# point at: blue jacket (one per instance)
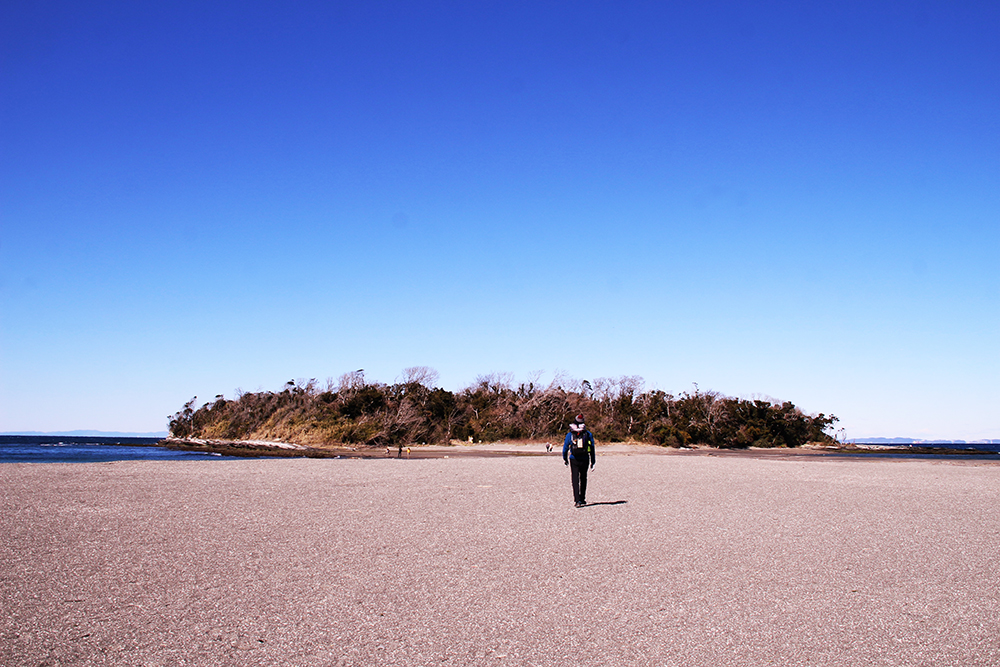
(589, 451)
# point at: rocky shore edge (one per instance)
(271, 448)
(259, 448)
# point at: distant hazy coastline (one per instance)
(91, 434)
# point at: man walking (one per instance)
(579, 454)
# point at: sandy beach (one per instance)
(680, 560)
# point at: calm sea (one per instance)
(68, 449)
(974, 448)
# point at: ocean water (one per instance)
(59, 449)
(971, 447)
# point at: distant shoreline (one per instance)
(462, 449)
(87, 434)
(505, 449)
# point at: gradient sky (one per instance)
(792, 199)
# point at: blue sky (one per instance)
(797, 200)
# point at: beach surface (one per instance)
(680, 560)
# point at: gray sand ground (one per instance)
(687, 561)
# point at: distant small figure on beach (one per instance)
(579, 454)
(548, 446)
(387, 451)
(407, 452)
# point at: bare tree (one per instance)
(423, 375)
(352, 381)
(306, 386)
(495, 382)
(561, 381)
(631, 384)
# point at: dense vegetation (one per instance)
(353, 411)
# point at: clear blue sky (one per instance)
(799, 200)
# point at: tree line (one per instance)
(353, 411)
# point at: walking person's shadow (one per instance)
(607, 502)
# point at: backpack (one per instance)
(580, 441)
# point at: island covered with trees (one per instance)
(413, 410)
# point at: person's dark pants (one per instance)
(579, 472)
